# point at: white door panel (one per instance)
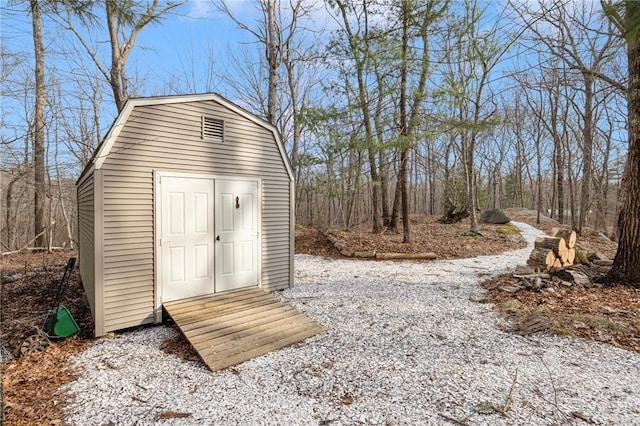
(236, 223)
(186, 237)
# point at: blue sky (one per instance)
(193, 30)
(179, 54)
(180, 47)
(191, 34)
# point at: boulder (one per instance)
(496, 216)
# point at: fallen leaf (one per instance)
(347, 399)
(485, 408)
(173, 415)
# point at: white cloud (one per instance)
(201, 9)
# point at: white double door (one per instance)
(208, 236)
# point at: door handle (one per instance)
(218, 238)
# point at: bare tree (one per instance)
(124, 20)
(286, 63)
(39, 172)
(584, 43)
(476, 53)
(357, 40)
(419, 18)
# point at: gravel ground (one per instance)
(407, 343)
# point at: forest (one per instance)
(387, 108)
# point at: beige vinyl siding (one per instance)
(86, 221)
(168, 138)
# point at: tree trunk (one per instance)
(470, 183)
(39, 123)
(272, 62)
(117, 79)
(626, 265)
(559, 165)
(587, 152)
(360, 52)
(395, 209)
(297, 125)
(404, 127)
(406, 231)
(9, 217)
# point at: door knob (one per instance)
(218, 238)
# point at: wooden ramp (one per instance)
(235, 326)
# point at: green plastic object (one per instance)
(60, 323)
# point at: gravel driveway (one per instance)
(407, 343)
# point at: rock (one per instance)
(596, 256)
(496, 216)
(11, 278)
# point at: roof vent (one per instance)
(212, 129)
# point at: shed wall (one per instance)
(86, 238)
(167, 138)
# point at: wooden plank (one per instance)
(241, 336)
(210, 303)
(200, 335)
(220, 363)
(212, 312)
(232, 327)
(189, 304)
(252, 337)
(213, 324)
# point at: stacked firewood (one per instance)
(555, 251)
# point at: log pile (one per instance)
(557, 262)
(554, 252)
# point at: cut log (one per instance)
(543, 258)
(580, 275)
(603, 262)
(580, 257)
(533, 275)
(596, 255)
(568, 235)
(333, 241)
(364, 254)
(454, 215)
(346, 252)
(599, 269)
(389, 256)
(558, 263)
(571, 255)
(556, 244)
(554, 232)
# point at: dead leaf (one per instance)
(347, 399)
(485, 407)
(173, 415)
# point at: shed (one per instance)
(186, 196)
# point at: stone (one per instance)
(496, 216)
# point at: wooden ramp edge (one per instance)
(232, 327)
